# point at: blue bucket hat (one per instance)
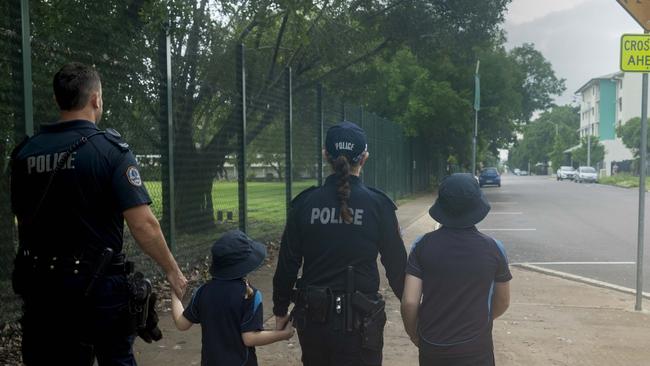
(235, 255)
(346, 138)
(460, 202)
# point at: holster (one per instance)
(373, 320)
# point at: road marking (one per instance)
(585, 280)
(506, 213)
(503, 203)
(570, 263)
(528, 229)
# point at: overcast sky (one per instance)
(579, 37)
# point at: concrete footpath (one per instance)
(551, 321)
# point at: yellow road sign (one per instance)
(639, 10)
(635, 52)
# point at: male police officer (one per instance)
(336, 232)
(72, 187)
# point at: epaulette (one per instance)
(302, 195)
(116, 139)
(381, 193)
(19, 147)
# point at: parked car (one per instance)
(523, 172)
(586, 174)
(565, 172)
(489, 176)
(517, 171)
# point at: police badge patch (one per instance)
(133, 175)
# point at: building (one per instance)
(606, 103)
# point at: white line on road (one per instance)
(528, 229)
(506, 213)
(572, 263)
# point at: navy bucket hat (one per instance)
(346, 138)
(460, 202)
(235, 255)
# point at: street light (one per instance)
(477, 106)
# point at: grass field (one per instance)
(266, 200)
(623, 180)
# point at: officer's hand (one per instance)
(281, 322)
(178, 282)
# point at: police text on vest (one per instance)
(327, 215)
(47, 162)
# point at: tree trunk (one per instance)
(194, 180)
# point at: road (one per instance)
(588, 230)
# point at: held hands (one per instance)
(178, 283)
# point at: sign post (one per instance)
(635, 57)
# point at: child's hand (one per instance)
(288, 330)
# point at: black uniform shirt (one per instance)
(219, 306)
(84, 204)
(317, 237)
(458, 268)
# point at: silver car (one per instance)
(586, 174)
(565, 172)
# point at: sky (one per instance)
(581, 38)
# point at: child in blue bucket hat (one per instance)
(228, 308)
(457, 281)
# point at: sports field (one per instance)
(266, 200)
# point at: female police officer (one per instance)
(336, 232)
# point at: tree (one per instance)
(597, 152)
(567, 121)
(539, 82)
(630, 133)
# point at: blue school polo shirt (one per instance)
(219, 306)
(458, 269)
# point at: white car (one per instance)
(565, 172)
(586, 174)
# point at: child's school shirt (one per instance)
(458, 269)
(219, 306)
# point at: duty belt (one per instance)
(45, 264)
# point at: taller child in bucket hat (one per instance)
(227, 307)
(457, 281)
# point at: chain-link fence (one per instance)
(223, 139)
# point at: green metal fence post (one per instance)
(320, 122)
(27, 67)
(241, 159)
(171, 203)
(361, 124)
(288, 141)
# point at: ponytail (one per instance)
(341, 167)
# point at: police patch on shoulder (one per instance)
(133, 175)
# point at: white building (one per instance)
(608, 102)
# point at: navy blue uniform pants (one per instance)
(327, 344)
(61, 326)
(481, 359)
